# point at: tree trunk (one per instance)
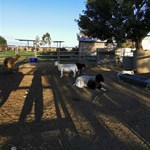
(141, 58)
(138, 44)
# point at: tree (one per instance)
(37, 42)
(46, 39)
(3, 41)
(116, 19)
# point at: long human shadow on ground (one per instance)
(34, 130)
(23, 128)
(34, 97)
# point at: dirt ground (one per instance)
(40, 111)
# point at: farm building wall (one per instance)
(142, 61)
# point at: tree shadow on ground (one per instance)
(129, 104)
(9, 83)
(103, 137)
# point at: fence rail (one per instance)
(59, 55)
(52, 55)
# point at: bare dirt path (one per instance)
(39, 111)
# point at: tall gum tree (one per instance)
(116, 19)
(46, 38)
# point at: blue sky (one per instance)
(26, 19)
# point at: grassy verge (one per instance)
(24, 55)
